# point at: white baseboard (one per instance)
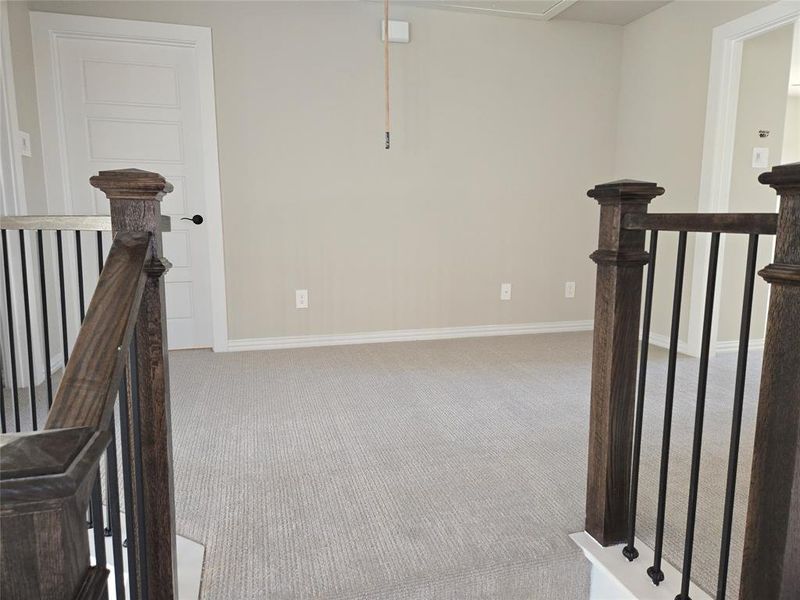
(662, 341)
(404, 335)
(733, 346)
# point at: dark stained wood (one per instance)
(40, 453)
(44, 548)
(761, 223)
(771, 563)
(94, 585)
(620, 260)
(135, 198)
(88, 390)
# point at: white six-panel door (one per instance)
(125, 102)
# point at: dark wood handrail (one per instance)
(760, 223)
(88, 390)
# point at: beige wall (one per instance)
(663, 93)
(500, 127)
(762, 105)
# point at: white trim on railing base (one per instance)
(733, 345)
(616, 578)
(405, 335)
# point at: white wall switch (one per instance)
(505, 291)
(301, 298)
(24, 143)
(760, 158)
(398, 31)
(569, 289)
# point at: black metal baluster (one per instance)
(699, 414)
(99, 252)
(26, 301)
(114, 528)
(97, 530)
(127, 489)
(655, 572)
(63, 295)
(79, 256)
(2, 400)
(45, 321)
(736, 422)
(629, 551)
(137, 459)
(82, 310)
(11, 345)
(109, 515)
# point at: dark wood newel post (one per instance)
(620, 259)
(135, 198)
(771, 563)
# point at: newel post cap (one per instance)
(782, 178)
(131, 184)
(625, 191)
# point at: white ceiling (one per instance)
(613, 12)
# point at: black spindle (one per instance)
(26, 301)
(63, 296)
(2, 399)
(655, 572)
(45, 320)
(137, 459)
(699, 414)
(79, 257)
(114, 529)
(736, 422)
(11, 344)
(99, 252)
(629, 551)
(127, 488)
(97, 519)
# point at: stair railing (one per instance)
(50, 479)
(771, 563)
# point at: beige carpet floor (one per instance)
(445, 469)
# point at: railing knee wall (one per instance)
(620, 259)
(771, 563)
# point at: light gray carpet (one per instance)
(446, 469)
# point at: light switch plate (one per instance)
(760, 158)
(24, 143)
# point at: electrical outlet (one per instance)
(505, 291)
(301, 298)
(569, 289)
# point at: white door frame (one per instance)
(56, 26)
(723, 99)
(12, 202)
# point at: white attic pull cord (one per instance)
(386, 65)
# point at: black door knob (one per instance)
(197, 219)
